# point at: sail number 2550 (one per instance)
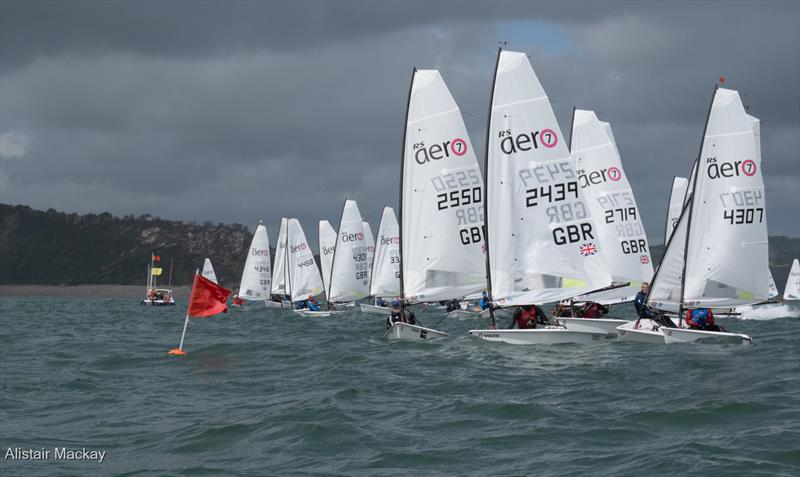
(458, 198)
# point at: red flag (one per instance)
(156, 258)
(207, 298)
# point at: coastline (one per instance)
(85, 291)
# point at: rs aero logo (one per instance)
(352, 237)
(717, 170)
(389, 240)
(587, 179)
(422, 154)
(511, 143)
(328, 250)
(298, 248)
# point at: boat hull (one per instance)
(404, 331)
(596, 325)
(543, 336)
(643, 334)
(375, 309)
(321, 313)
(678, 335)
(461, 314)
(158, 303)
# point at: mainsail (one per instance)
(721, 237)
(350, 267)
(543, 244)
(385, 277)
(303, 275)
(208, 270)
(773, 288)
(279, 270)
(792, 290)
(256, 280)
(676, 202)
(610, 198)
(370, 244)
(441, 198)
(327, 245)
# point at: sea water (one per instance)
(267, 392)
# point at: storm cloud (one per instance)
(247, 111)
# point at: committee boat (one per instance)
(155, 296)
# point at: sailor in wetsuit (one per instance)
(527, 317)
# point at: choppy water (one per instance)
(264, 392)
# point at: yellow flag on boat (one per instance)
(156, 271)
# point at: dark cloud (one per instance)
(239, 111)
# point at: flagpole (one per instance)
(179, 350)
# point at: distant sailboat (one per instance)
(303, 278)
(208, 271)
(155, 296)
(676, 201)
(441, 204)
(279, 270)
(792, 290)
(385, 274)
(327, 245)
(370, 244)
(543, 245)
(256, 282)
(717, 256)
(349, 275)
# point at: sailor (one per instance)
(641, 309)
(701, 319)
(380, 302)
(452, 305)
(312, 303)
(527, 317)
(593, 310)
(484, 303)
(395, 314)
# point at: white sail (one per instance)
(385, 277)
(208, 271)
(327, 244)
(676, 202)
(350, 268)
(726, 259)
(773, 288)
(256, 281)
(279, 270)
(370, 244)
(610, 198)
(442, 198)
(792, 290)
(665, 290)
(304, 278)
(543, 244)
(690, 186)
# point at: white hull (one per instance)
(544, 336)
(321, 313)
(404, 331)
(375, 309)
(594, 325)
(645, 333)
(158, 302)
(676, 335)
(273, 304)
(461, 314)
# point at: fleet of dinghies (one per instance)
(554, 222)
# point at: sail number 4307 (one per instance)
(743, 216)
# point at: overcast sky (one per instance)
(240, 111)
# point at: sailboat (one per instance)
(279, 270)
(717, 256)
(303, 278)
(619, 224)
(256, 282)
(677, 198)
(385, 274)
(327, 245)
(441, 204)
(792, 290)
(157, 296)
(349, 274)
(208, 271)
(543, 245)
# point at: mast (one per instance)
(402, 180)
(486, 194)
(170, 271)
(286, 276)
(691, 207)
